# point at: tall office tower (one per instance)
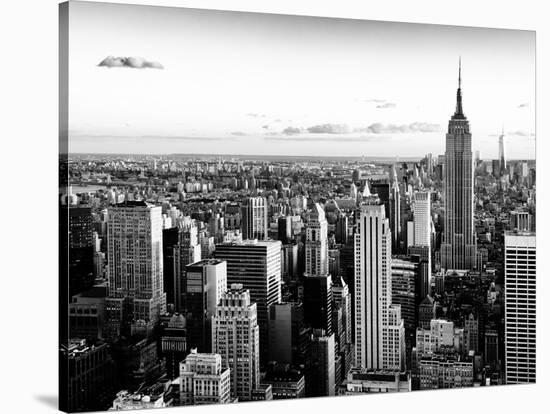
(187, 250)
(341, 297)
(235, 336)
(254, 218)
(404, 293)
(322, 375)
(501, 154)
(318, 302)
(169, 241)
(422, 255)
(204, 380)
(383, 190)
(341, 230)
(289, 338)
(79, 247)
(257, 266)
(471, 333)
(136, 295)
(520, 220)
(316, 242)
(289, 262)
(342, 325)
(317, 281)
(206, 282)
(353, 191)
(284, 229)
(458, 249)
(422, 219)
(379, 329)
(430, 164)
(395, 215)
(519, 307)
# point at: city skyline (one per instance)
(372, 84)
(218, 279)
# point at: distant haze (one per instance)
(195, 81)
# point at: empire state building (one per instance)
(458, 249)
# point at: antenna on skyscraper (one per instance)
(459, 70)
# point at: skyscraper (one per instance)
(422, 219)
(235, 336)
(322, 379)
(254, 218)
(187, 250)
(520, 306)
(458, 249)
(395, 213)
(379, 329)
(316, 242)
(501, 153)
(206, 282)
(288, 336)
(257, 266)
(136, 297)
(317, 282)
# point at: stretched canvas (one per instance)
(261, 206)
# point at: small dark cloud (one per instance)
(386, 105)
(278, 120)
(134, 62)
(256, 115)
(521, 133)
(329, 129)
(292, 131)
(518, 133)
(524, 105)
(415, 127)
(265, 126)
(239, 134)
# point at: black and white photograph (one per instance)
(264, 207)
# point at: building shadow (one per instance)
(50, 401)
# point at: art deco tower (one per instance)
(458, 250)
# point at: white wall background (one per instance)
(28, 119)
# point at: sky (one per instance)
(203, 81)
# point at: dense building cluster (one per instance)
(217, 279)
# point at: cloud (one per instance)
(379, 101)
(239, 134)
(292, 131)
(134, 62)
(415, 127)
(278, 120)
(265, 126)
(520, 133)
(386, 105)
(256, 115)
(524, 105)
(334, 138)
(329, 129)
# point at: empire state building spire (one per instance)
(458, 112)
(458, 246)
